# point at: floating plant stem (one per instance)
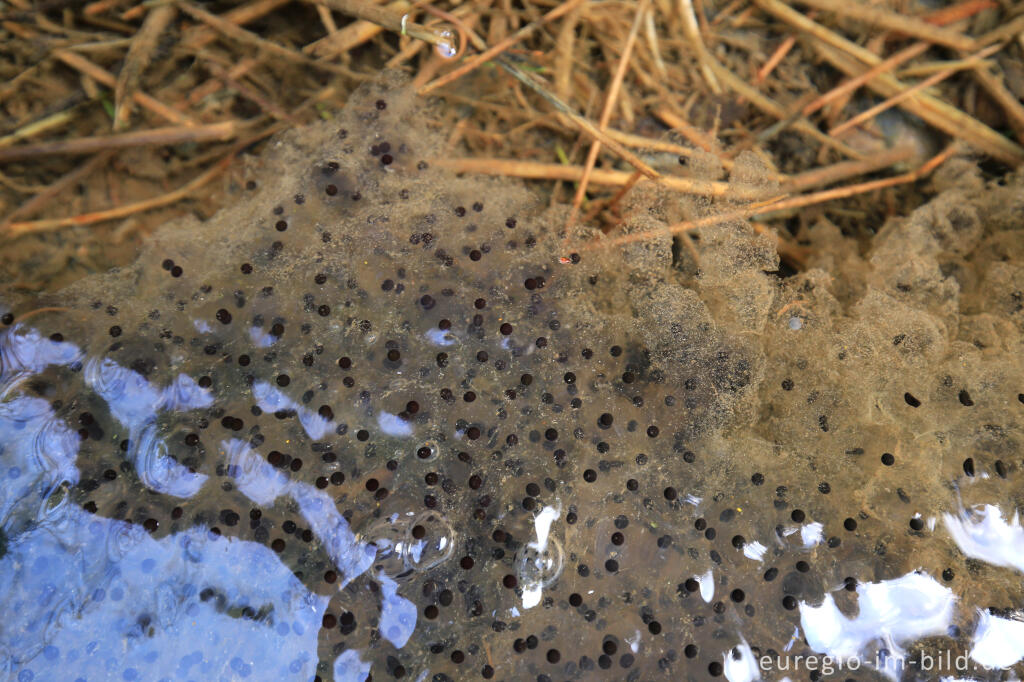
(445, 39)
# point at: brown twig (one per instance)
(819, 177)
(769, 106)
(215, 132)
(201, 36)
(852, 84)
(936, 112)
(43, 198)
(911, 91)
(352, 36)
(784, 203)
(235, 32)
(598, 176)
(80, 63)
(880, 17)
(49, 225)
(139, 54)
(780, 53)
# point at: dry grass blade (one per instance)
(214, 132)
(57, 120)
(1011, 105)
(40, 200)
(135, 62)
(396, 22)
(581, 122)
(911, 91)
(606, 113)
(98, 73)
(683, 127)
(29, 227)
(819, 177)
(201, 36)
(964, 10)
(780, 53)
(936, 112)
(852, 84)
(784, 203)
(900, 23)
(692, 32)
(352, 36)
(235, 32)
(599, 176)
(769, 106)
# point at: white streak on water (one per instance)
(439, 337)
(981, 533)
(393, 425)
(542, 526)
(998, 642)
(754, 550)
(811, 534)
(901, 610)
(742, 669)
(707, 586)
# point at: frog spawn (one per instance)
(399, 386)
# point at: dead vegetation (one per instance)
(117, 116)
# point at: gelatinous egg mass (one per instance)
(378, 420)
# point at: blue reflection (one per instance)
(90, 598)
(106, 599)
(134, 402)
(272, 400)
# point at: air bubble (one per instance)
(539, 569)
(427, 451)
(430, 541)
(447, 45)
(388, 535)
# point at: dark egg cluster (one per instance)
(570, 462)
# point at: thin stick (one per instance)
(34, 128)
(581, 122)
(879, 17)
(852, 84)
(936, 112)
(692, 32)
(911, 91)
(390, 20)
(785, 204)
(252, 95)
(683, 127)
(201, 36)
(349, 37)
(768, 105)
(43, 198)
(1012, 106)
(135, 62)
(598, 176)
(216, 132)
(18, 229)
(640, 142)
(614, 200)
(80, 63)
(606, 113)
(780, 53)
(964, 10)
(242, 35)
(820, 177)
